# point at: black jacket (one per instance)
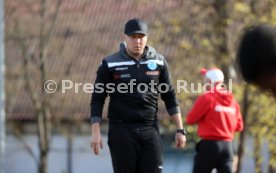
(131, 105)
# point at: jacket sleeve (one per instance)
(239, 126)
(169, 96)
(99, 95)
(199, 110)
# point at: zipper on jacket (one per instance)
(138, 70)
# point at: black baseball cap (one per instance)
(136, 26)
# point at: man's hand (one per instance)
(180, 140)
(96, 138)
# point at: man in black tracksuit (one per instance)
(133, 78)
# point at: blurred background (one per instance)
(67, 39)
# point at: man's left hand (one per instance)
(180, 140)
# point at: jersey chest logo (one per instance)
(152, 65)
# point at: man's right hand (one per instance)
(96, 138)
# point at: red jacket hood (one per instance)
(223, 96)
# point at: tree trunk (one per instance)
(241, 145)
(257, 154)
(272, 156)
(43, 165)
(43, 135)
(69, 148)
(220, 41)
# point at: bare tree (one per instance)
(34, 56)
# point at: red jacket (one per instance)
(217, 115)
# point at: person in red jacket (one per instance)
(218, 117)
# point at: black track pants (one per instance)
(134, 148)
(213, 154)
